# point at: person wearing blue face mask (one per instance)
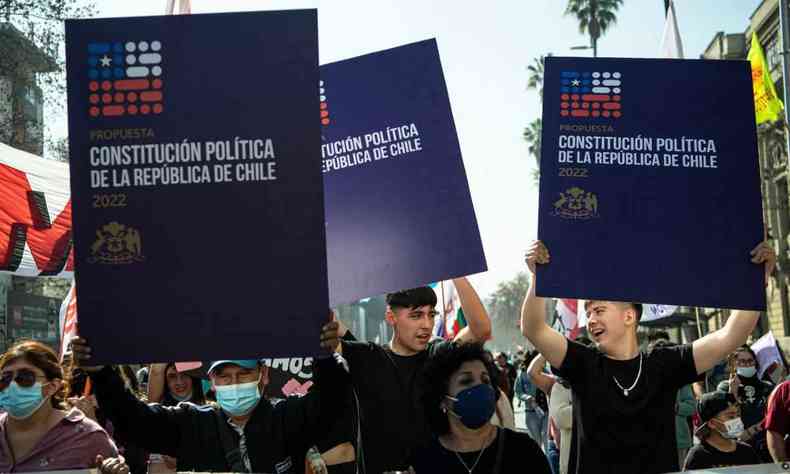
(242, 433)
(752, 395)
(459, 398)
(37, 433)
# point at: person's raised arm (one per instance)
(151, 427)
(477, 319)
(549, 342)
(156, 382)
(311, 416)
(712, 348)
(541, 379)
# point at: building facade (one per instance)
(28, 306)
(772, 147)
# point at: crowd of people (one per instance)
(599, 403)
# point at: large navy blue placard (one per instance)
(398, 208)
(650, 186)
(198, 195)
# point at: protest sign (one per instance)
(196, 185)
(35, 215)
(398, 209)
(767, 351)
(650, 186)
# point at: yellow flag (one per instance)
(767, 105)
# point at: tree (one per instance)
(594, 16)
(32, 33)
(504, 306)
(535, 79)
(532, 135)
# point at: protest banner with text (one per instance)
(196, 185)
(398, 209)
(649, 188)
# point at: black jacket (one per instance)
(277, 436)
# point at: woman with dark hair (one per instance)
(37, 433)
(752, 395)
(459, 396)
(169, 387)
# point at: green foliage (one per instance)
(532, 135)
(535, 79)
(41, 24)
(504, 307)
(594, 16)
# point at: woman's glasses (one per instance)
(25, 378)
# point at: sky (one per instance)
(485, 48)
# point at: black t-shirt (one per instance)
(753, 394)
(392, 419)
(705, 456)
(520, 454)
(626, 434)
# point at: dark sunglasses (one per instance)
(25, 378)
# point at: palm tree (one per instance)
(595, 17)
(535, 80)
(532, 135)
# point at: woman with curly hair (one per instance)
(459, 396)
(37, 433)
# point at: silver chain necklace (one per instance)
(479, 456)
(470, 469)
(628, 390)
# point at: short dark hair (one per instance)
(413, 298)
(436, 379)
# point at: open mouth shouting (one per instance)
(597, 333)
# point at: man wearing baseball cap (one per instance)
(720, 426)
(245, 434)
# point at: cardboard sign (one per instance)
(196, 185)
(650, 188)
(398, 209)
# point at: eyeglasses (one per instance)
(23, 377)
(744, 362)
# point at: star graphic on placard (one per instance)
(575, 83)
(105, 61)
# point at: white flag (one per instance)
(671, 45)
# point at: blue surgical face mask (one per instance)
(747, 372)
(474, 406)
(238, 399)
(21, 402)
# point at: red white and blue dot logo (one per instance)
(590, 94)
(324, 106)
(125, 78)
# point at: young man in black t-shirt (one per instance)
(624, 399)
(720, 426)
(385, 377)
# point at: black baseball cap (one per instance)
(711, 404)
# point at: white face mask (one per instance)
(733, 428)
